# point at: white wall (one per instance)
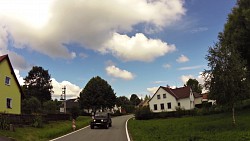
(186, 103)
(169, 99)
(198, 100)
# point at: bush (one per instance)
(38, 121)
(143, 113)
(75, 112)
(4, 122)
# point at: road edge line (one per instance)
(126, 127)
(69, 133)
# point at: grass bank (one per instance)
(49, 131)
(198, 128)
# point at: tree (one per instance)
(31, 105)
(122, 101)
(38, 84)
(194, 84)
(237, 30)
(50, 106)
(226, 80)
(97, 94)
(135, 100)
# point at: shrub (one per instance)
(4, 122)
(143, 113)
(75, 112)
(38, 121)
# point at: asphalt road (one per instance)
(115, 133)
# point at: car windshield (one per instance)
(103, 115)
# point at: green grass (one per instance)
(198, 128)
(49, 131)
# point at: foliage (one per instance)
(48, 132)
(4, 122)
(38, 84)
(75, 112)
(227, 79)
(37, 121)
(143, 113)
(31, 105)
(203, 128)
(194, 84)
(97, 94)
(122, 101)
(237, 30)
(50, 106)
(134, 100)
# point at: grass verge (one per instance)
(198, 128)
(49, 131)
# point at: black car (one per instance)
(101, 119)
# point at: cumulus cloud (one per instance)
(152, 90)
(182, 59)
(138, 47)
(47, 26)
(72, 90)
(118, 73)
(185, 78)
(19, 77)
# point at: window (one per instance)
(169, 105)
(164, 96)
(162, 106)
(9, 103)
(7, 80)
(158, 96)
(179, 104)
(155, 107)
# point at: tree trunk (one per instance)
(234, 123)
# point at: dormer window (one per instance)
(7, 80)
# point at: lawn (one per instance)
(49, 131)
(198, 128)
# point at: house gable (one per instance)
(10, 94)
(167, 99)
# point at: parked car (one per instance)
(101, 119)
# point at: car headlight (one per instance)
(94, 120)
(102, 120)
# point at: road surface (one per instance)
(115, 133)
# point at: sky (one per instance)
(136, 46)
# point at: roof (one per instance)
(197, 95)
(12, 71)
(178, 93)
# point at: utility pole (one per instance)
(63, 97)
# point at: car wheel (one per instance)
(107, 126)
(110, 124)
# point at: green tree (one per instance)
(31, 105)
(194, 84)
(97, 94)
(50, 106)
(135, 100)
(226, 80)
(122, 101)
(38, 84)
(237, 30)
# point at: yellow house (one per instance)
(10, 89)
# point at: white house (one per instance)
(167, 99)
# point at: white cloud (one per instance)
(190, 68)
(118, 73)
(152, 90)
(138, 47)
(182, 59)
(166, 66)
(199, 29)
(72, 90)
(185, 78)
(46, 26)
(19, 78)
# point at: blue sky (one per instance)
(136, 46)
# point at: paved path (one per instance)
(115, 133)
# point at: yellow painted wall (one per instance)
(9, 91)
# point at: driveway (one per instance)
(115, 133)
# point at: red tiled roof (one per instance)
(3, 57)
(178, 93)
